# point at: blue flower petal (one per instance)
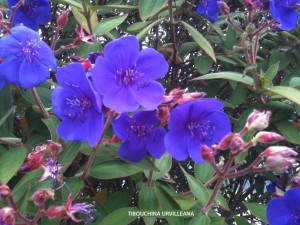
(9, 46)
(73, 130)
(149, 96)
(24, 34)
(121, 100)
(32, 74)
(152, 64)
(43, 14)
(95, 121)
(104, 76)
(123, 52)
(292, 199)
(279, 213)
(121, 126)
(179, 117)
(176, 144)
(209, 9)
(221, 124)
(133, 150)
(147, 118)
(155, 142)
(46, 56)
(10, 69)
(194, 148)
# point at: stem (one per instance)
(233, 25)
(55, 38)
(17, 213)
(93, 154)
(39, 103)
(216, 168)
(15, 144)
(14, 9)
(150, 174)
(87, 16)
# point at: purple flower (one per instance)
(209, 9)
(78, 105)
(285, 12)
(139, 135)
(26, 59)
(31, 13)
(126, 76)
(194, 124)
(286, 210)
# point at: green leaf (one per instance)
(270, 74)
(258, 210)
(80, 18)
(228, 76)
(10, 162)
(118, 200)
(136, 27)
(200, 39)
(148, 8)
(287, 92)
(113, 169)
(85, 48)
(197, 188)
(119, 217)
(200, 219)
(295, 82)
(148, 201)
(107, 25)
(289, 132)
(69, 154)
(52, 123)
(6, 105)
(241, 220)
(187, 47)
(146, 29)
(203, 172)
(145, 164)
(163, 165)
(75, 3)
(75, 184)
(217, 221)
(203, 64)
(112, 7)
(44, 94)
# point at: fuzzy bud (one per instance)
(191, 96)
(163, 114)
(207, 153)
(4, 191)
(282, 151)
(236, 145)
(258, 120)
(42, 195)
(225, 142)
(7, 216)
(56, 212)
(295, 182)
(224, 8)
(53, 147)
(278, 164)
(267, 137)
(63, 19)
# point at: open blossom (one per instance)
(26, 59)
(209, 9)
(139, 135)
(126, 77)
(285, 211)
(78, 105)
(285, 12)
(194, 124)
(31, 13)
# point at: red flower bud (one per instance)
(207, 153)
(224, 8)
(56, 212)
(163, 114)
(268, 137)
(190, 96)
(7, 216)
(4, 191)
(225, 142)
(236, 145)
(42, 195)
(63, 19)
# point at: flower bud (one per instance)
(177, 93)
(56, 212)
(42, 195)
(190, 96)
(1, 15)
(295, 182)
(34, 161)
(282, 151)
(7, 216)
(53, 147)
(236, 145)
(63, 19)
(207, 153)
(224, 8)
(163, 114)
(267, 137)
(77, 41)
(278, 164)
(258, 120)
(225, 142)
(4, 191)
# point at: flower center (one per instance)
(29, 8)
(295, 218)
(77, 107)
(139, 130)
(130, 77)
(29, 49)
(201, 130)
(204, 3)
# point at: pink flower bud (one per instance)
(258, 120)
(56, 212)
(295, 182)
(177, 93)
(7, 216)
(224, 8)
(1, 16)
(282, 151)
(268, 137)
(278, 164)
(53, 147)
(63, 19)
(225, 142)
(4, 191)
(236, 145)
(42, 195)
(207, 153)
(190, 96)
(163, 113)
